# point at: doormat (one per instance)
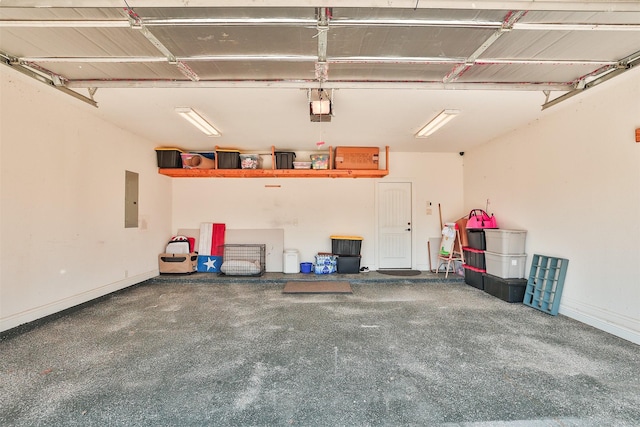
(400, 272)
(321, 287)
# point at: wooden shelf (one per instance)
(278, 173)
(272, 173)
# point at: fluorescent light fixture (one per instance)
(437, 122)
(198, 121)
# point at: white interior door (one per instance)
(394, 225)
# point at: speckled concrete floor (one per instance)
(187, 352)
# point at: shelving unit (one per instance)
(545, 283)
(280, 173)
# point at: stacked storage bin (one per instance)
(505, 262)
(474, 267)
(347, 249)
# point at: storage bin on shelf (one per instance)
(357, 157)
(319, 161)
(208, 154)
(503, 241)
(302, 165)
(284, 159)
(169, 157)
(228, 158)
(249, 161)
(197, 161)
(346, 245)
(509, 290)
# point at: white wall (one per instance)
(62, 174)
(312, 209)
(572, 180)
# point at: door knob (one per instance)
(408, 229)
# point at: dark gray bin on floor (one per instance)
(509, 290)
(348, 264)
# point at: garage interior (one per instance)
(545, 136)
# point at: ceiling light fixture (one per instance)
(198, 121)
(320, 102)
(437, 122)
(320, 105)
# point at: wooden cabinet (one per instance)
(280, 173)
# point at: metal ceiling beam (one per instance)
(231, 22)
(323, 29)
(136, 23)
(293, 22)
(501, 61)
(321, 66)
(568, 5)
(400, 60)
(307, 84)
(393, 60)
(74, 23)
(94, 59)
(48, 79)
(532, 26)
(590, 81)
(510, 18)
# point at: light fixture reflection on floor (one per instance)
(437, 122)
(198, 121)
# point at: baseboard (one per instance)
(614, 324)
(72, 301)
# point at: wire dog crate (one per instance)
(243, 260)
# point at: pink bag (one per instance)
(480, 219)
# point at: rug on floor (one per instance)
(400, 272)
(321, 287)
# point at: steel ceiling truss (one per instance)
(47, 77)
(136, 22)
(323, 22)
(598, 77)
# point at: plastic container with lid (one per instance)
(228, 158)
(249, 161)
(291, 261)
(346, 245)
(169, 157)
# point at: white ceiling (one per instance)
(393, 65)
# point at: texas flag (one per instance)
(210, 247)
(209, 263)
